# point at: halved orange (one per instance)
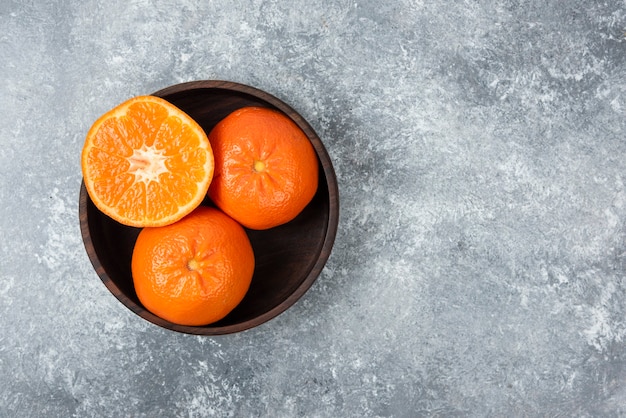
(147, 163)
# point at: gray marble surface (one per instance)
(479, 267)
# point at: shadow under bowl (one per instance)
(289, 258)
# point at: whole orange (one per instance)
(194, 271)
(266, 170)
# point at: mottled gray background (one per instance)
(479, 267)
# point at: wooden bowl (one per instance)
(289, 258)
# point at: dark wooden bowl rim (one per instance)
(327, 174)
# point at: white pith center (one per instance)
(147, 163)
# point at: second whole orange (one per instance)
(194, 271)
(266, 169)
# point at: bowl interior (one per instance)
(288, 258)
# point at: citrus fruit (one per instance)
(266, 170)
(194, 271)
(146, 163)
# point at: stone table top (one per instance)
(479, 266)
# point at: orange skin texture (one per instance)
(266, 169)
(195, 271)
(146, 163)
